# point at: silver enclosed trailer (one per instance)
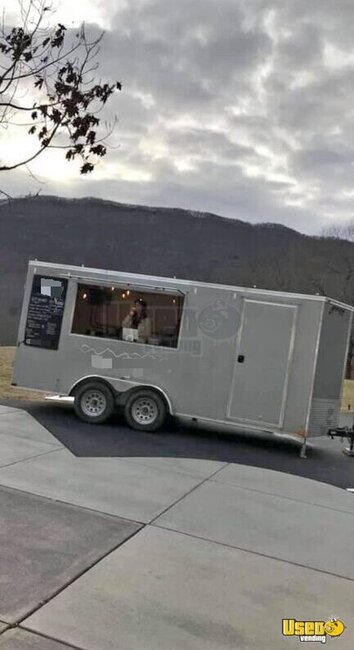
(245, 358)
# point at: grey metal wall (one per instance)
(263, 362)
(329, 372)
(198, 376)
(303, 365)
(332, 352)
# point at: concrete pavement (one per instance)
(163, 553)
(45, 544)
(19, 639)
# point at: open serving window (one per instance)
(130, 314)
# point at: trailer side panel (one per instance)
(329, 376)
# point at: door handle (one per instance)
(240, 358)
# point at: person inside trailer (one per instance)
(138, 320)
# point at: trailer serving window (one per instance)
(45, 312)
(104, 311)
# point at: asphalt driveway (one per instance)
(325, 461)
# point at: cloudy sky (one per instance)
(244, 108)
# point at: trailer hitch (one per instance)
(344, 432)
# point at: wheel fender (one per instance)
(89, 380)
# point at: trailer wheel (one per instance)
(94, 402)
(145, 410)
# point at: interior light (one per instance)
(123, 295)
(128, 293)
(84, 296)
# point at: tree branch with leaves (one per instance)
(54, 72)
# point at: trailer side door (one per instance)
(262, 365)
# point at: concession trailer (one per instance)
(221, 355)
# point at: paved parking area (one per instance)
(118, 487)
(19, 639)
(147, 553)
(164, 589)
(45, 545)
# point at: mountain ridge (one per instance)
(148, 208)
(164, 242)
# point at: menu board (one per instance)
(45, 312)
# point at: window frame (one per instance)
(138, 288)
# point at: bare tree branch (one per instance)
(67, 100)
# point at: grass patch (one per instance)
(348, 395)
(7, 391)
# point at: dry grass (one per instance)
(348, 395)
(7, 391)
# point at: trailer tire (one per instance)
(145, 410)
(93, 402)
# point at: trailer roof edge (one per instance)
(70, 268)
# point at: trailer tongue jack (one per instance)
(344, 432)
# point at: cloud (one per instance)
(239, 107)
